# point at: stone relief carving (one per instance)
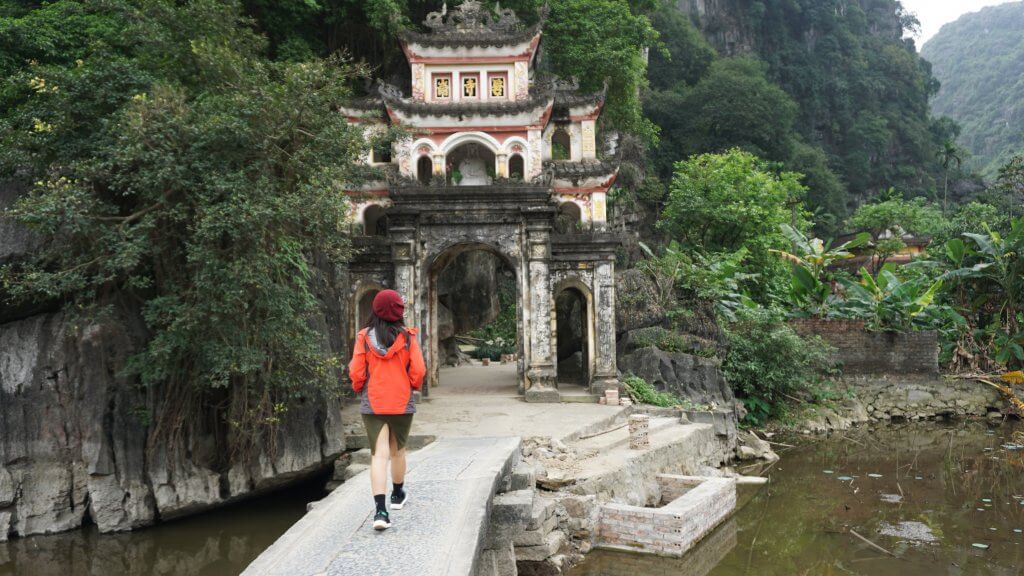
(522, 87)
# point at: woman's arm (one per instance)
(357, 366)
(417, 367)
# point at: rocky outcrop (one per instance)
(638, 304)
(686, 376)
(74, 436)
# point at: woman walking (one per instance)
(387, 365)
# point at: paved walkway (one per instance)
(440, 532)
(481, 401)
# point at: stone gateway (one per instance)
(511, 170)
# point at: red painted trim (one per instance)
(541, 123)
(589, 190)
(374, 193)
(603, 187)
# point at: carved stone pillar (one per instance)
(606, 374)
(540, 369)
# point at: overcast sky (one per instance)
(934, 13)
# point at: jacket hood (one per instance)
(398, 345)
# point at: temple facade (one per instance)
(491, 158)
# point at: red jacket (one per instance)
(392, 376)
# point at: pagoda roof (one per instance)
(471, 24)
(564, 170)
(394, 100)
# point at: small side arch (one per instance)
(569, 218)
(573, 307)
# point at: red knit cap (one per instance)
(388, 305)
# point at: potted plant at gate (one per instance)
(456, 177)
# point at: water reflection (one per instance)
(218, 543)
(961, 484)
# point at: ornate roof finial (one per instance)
(471, 16)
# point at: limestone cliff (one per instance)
(74, 433)
(74, 436)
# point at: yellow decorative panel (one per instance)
(600, 213)
(469, 87)
(498, 87)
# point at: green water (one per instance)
(218, 543)
(943, 489)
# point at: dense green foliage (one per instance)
(179, 173)
(724, 203)
(768, 364)
(979, 60)
(841, 96)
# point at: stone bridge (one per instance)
(443, 530)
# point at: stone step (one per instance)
(580, 397)
(620, 437)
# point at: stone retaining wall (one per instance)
(701, 505)
(863, 352)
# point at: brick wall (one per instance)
(862, 352)
(673, 529)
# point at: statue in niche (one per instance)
(473, 168)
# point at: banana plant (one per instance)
(810, 286)
(888, 302)
(992, 266)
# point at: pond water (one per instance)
(218, 543)
(938, 499)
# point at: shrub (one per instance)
(643, 393)
(769, 363)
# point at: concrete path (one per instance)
(478, 400)
(440, 532)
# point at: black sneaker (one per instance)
(381, 520)
(399, 500)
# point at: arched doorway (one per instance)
(573, 335)
(470, 164)
(517, 167)
(375, 221)
(363, 306)
(424, 169)
(474, 314)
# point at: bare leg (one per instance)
(397, 463)
(379, 462)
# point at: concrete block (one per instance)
(543, 508)
(540, 394)
(510, 513)
(538, 536)
(524, 477)
(550, 547)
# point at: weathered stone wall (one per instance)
(863, 352)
